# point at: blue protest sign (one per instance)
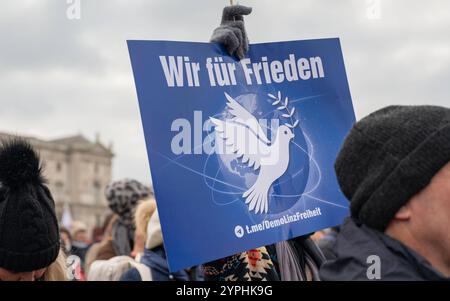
(242, 152)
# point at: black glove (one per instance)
(231, 32)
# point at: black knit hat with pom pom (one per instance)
(29, 234)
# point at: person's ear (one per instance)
(404, 213)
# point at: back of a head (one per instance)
(144, 211)
(389, 156)
(123, 197)
(29, 234)
(77, 227)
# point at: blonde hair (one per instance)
(144, 211)
(57, 271)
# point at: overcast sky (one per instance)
(63, 77)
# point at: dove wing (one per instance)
(241, 115)
(241, 141)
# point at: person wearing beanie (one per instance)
(123, 197)
(29, 234)
(394, 168)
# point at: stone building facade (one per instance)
(77, 171)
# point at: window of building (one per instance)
(97, 185)
(97, 191)
(59, 187)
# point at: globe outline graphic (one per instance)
(226, 175)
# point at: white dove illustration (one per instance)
(244, 137)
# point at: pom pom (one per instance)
(19, 163)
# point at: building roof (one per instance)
(66, 144)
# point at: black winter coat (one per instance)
(356, 242)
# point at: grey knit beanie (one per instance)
(390, 156)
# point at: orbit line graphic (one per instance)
(211, 180)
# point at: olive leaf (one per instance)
(289, 113)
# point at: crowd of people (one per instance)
(394, 168)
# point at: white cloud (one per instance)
(61, 77)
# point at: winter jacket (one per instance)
(253, 265)
(356, 242)
(296, 259)
(80, 249)
(155, 259)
